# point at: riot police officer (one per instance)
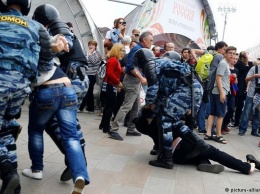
(23, 44)
(169, 98)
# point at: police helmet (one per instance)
(45, 14)
(171, 55)
(143, 56)
(24, 4)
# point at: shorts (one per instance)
(217, 108)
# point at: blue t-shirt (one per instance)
(129, 65)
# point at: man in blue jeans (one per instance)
(252, 77)
(203, 113)
(71, 63)
(56, 97)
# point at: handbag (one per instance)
(101, 72)
(142, 96)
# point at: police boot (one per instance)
(10, 178)
(198, 145)
(17, 190)
(164, 159)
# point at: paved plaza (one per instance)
(121, 167)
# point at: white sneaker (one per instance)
(78, 186)
(37, 174)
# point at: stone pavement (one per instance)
(121, 167)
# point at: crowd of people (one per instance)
(58, 89)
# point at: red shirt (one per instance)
(113, 71)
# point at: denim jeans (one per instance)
(202, 114)
(62, 103)
(204, 109)
(248, 108)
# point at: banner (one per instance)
(185, 17)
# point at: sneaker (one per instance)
(255, 134)
(134, 133)
(211, 168)
(202, 132)
(115, 136)
(241, 133)
(80, 111)
(223, 132)
(66, 175)
(35, 174)
(230, 125)
(90, 112)
(10, 182)
(78, 186)
(235, 127)
(226, 129)
(250, 124)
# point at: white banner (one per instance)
(185, 17)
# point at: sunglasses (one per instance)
(124, 23)
(137, 35)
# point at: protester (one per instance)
(132, 83)
(73, 63)
(169, 98)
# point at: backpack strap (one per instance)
(256, 72)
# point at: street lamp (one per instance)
(226, 9)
